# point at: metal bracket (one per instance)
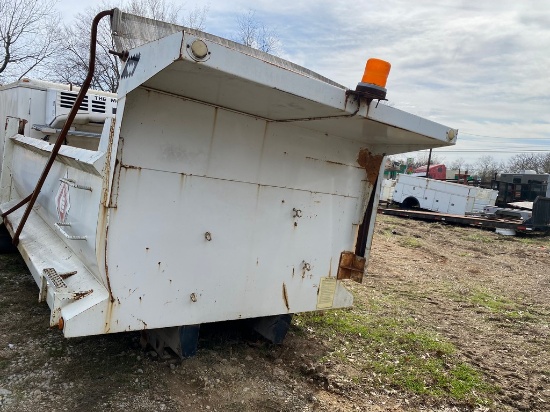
(182, 340)
(47, 130)
(50, 277)
(351, 267)
(61, 293)
(73, 183)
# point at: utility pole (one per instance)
(428, 168)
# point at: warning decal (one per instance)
(62, 201)
(325, 295)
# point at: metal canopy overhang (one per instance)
(388, 129)
(241, 82)
(244, 95)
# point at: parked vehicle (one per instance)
(230, 184)
(440, 196)
(505, 221)
(523, 186)
(437, 171)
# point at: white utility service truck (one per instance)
(441, 196)
(230, 184)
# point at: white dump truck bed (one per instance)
(231, 186)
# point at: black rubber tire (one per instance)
(410, 203)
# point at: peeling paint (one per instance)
(111, 298)
(130, 167)
(80, 295)
(332, 162)
(107, 166)
(21, 128)
(285, 297)
(371, 163)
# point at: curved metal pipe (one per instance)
(83, 90)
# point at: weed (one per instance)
(410, 242)
(537, 240)
(492, 302)
(399, 353)
(479, 238)
(502, 306)
(465, 379)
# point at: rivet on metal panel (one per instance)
(208, 236)
(193, 297)
(297, 212)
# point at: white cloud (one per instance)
(479, 66)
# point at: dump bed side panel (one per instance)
(227, 215)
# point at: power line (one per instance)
(487, 150)
(460, 132)
(493, 151)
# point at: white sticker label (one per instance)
(325, 296)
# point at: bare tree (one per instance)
(28, 36)
(528, 161)
(196, 18)
(486, 167)
(154, 9)
(545, 163)
(75, 62)
(458, 164)
(73, 68)
(253, 33)
(422, 160)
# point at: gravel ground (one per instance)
(485, 295)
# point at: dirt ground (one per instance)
(468, 309)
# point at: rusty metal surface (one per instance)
(22, 124)
(351, 267)
(107, 166)
(285, 297)
(371, 163)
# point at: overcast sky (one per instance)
(480, 66)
